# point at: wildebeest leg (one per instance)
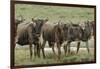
(78, 46)
(38, 50)
(43, 45)
(30, 51)
(65, 49)
(68, 46)
(59, 50)
(53, 49)
(87, 46)
(30, 41)
(35, 50)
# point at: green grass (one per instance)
(22, 57)
(55, 13)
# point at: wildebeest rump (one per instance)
(29, 33)
(53, 34)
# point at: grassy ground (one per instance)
(22, 57)
(54, 13)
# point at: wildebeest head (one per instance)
(92, 26)
(88, 25)
(65, 27)
(39, 23)
(72, 31)
(19, 20)
(87, 31)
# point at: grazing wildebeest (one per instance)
(74, 32)
(53, 34)
(29, 33)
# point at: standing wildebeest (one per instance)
(53, 34)
(74, 32)
(29, 33)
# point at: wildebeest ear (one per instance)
(46, 20)
(33, 19)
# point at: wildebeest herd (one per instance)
(28, 33)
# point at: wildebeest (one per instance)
(29, 33)
(53, 34)
(75, 32)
